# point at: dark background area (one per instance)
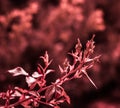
(30, 27)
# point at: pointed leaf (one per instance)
(61, 69)
(34, 93)
(26, 104)
(67, 98)
(45, 58)
(49, 71)
(30, 80)
(49, 94)
(18, 71)
(78, 47)
(16, 94)
(36, 75)
(40, 69)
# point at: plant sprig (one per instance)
(53, 94)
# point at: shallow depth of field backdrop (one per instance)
(28, 28)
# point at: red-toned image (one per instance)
(59, 53)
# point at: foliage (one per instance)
(53, 94)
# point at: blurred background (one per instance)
(28, 28)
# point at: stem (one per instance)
(7, 103)
(42, 89)
(45, 103)
(73, 71)
(63, 78)
(19, 102)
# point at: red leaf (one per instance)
(61, 69)
(67, 98)
(49, 71)
(40, 69)
(49, 94)
(78, 47)
(62, 93)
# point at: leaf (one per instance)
(53, 104)
(56, 106)
(61, 93)
(18, 71)
(88, 60)
(66, 63)
(16, 94)
(67, 98)
(35, 104)
(36, 75)
(45, 58)
(30, 80)
(89, 48)
(22, 91)
(61, 69)
(49, 94)
(93, 59)
(49, 71)
(50, 62)
(77, 74)
(66, 66)
(64, 94)
(58, 92)
(78, 47)
(34, 93)
(26, 104)
(97, 58)
(40, 69)
(2, 95)
(41, 82)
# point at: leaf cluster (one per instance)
(53, 94)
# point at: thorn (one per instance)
(90, 80)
